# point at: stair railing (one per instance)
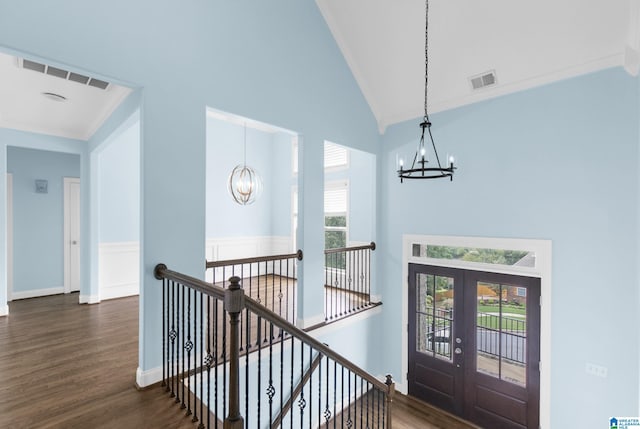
(270, 280)
(291, 381)
(347, 282)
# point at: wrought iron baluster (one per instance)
(301, 401)
(182, 336)
(259, 390)
(327, 412)
(165, 352)
(349, 421)
(368, 288)
(335, 391)
(271, 389)
(179, 343)
(280, 289)
(188, 346)
(217, 355)
(368, 409)
(287, 300)
(310, 386)
(172, 336)
(281, 373)
(202, 361)
(320, 394)
(350, 280)
(342, 393)
(246, 360)
(291, 379)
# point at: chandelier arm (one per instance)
(434, 148)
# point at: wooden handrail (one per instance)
(214, 264)
(305, 379)
(371, 246)
(301, 335)
(161, 271)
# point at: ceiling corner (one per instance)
(632, 46)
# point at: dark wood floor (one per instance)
(64, 365)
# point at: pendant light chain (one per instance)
(244, 159)
(426, 61)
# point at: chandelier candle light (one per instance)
(245, 184)
(419, 169)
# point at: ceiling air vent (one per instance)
(62, 74)
(483, 80)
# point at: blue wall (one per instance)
(275, 62)
(559, 162)
(119, 187)
(38, 219)
(361, 176)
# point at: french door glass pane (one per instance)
(434, 313)
(501, 334)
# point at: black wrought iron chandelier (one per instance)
(419, 168)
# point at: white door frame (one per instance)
(9, 236)
(67, 181)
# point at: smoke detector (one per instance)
(483, 80)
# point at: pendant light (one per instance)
(245, 184)
(419, 169)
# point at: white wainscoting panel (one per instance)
(119, 269)
(34, 293)
(224, 249)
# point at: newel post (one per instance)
(391, 390)
(234, 304)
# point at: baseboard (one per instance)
(149, 377)
(36, 293)
(120, 291)
(345, 321)
(4, 310)
(89, 299)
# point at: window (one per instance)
(294, 155)
(335, 214)
(335, 156)
(475, 254)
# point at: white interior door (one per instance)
(71, 234)
(9, 236)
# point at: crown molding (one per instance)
(614, 60)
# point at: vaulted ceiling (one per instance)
(526, 44)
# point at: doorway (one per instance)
(474, 344)
(71, 234)
(9, 236)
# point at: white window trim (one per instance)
(542, 270)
